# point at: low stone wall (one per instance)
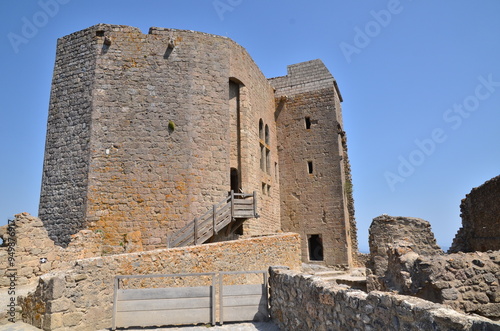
(81, 298)
(300, 302)
(26, 242)
(468, 282)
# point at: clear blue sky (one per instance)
(420, 81)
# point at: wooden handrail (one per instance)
(215, 219)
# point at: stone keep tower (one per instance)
(147, 131)
(315, 180)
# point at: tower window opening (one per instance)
(268, 161)
(308, 122)
(309, 167)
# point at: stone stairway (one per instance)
(354, 278)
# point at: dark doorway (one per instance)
(315, 244)
(235, 180)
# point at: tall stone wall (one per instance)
(256, 104)
(67, 153)
(314, 172)
(300, 302)
(159, 142)
(81, 298)
(480, 229)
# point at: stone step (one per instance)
(329, 273)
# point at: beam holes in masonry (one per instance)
(168, 51)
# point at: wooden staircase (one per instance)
(234, 209)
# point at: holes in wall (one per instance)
(315, 244)
(310, 167)
(263, 188)
(168, 51)
(308, 122)
(99, 33)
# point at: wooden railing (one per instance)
(234, 206)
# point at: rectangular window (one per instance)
(268, 161)
(310, 167)
(262, 157)
(308, 122)
(263, 188)
(276, 173)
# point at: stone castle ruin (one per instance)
(147, 132)
(158, 143)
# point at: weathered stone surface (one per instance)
(315, 179)
(412, 232)
(81, 297)
(31, 243)
(160, 149)
(480, 229)
(404, 258)
(147, 131)
(307, 303)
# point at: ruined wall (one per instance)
(159, 147)
(313, 172)
(480, 229)
(28, 242)
(307, 303)
(386, 230)
(82, 298)
(404, 258)
(468, 282)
